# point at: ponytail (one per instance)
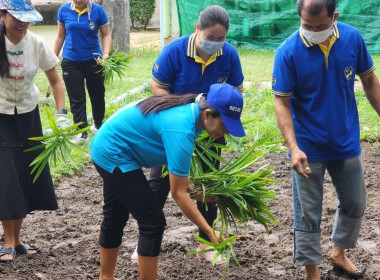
(156, 103)
(4, 63)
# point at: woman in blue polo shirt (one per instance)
(78, 24)
(155, 131)
(190, 64)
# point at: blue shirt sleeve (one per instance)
(103, 20)
(236, 77)
(179, 150)
(284, 76)
(163, 70)
(365, 63)
(59, 16)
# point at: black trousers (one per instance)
(75, 75)
(129, 193)
(161, 187)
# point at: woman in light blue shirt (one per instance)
(159, 130)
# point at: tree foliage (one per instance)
(141, 12)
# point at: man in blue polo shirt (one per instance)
(313, 83)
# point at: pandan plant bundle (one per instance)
(116, 64)
(54, 145)
(239, 192)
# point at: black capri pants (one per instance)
(129, 193)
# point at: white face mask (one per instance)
(316, 37)
(210, 47)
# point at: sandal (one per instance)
(23, 249)
(7, 251)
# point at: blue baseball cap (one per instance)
(22, 10)
(228, 100)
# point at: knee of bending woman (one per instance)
(150, 241)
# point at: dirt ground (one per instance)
(67, 237)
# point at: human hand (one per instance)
(300, 163)
(62, 119)
(215, 237)
(105, 55)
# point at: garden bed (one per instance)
(67, 237)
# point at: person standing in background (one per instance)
(22, 53)
(191, 64)
(78, 24)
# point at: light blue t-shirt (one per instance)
(129, 140)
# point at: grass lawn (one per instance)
(258, 112)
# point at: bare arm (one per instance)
(285, 123)
(107, 40)
(178, 188)
(371, 87)
(61, 34)
(57, 86)
(158, 89)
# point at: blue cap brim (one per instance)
(234, 126)
(26, 16)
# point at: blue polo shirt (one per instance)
(129, 140)
(81, 40)
(180, 68)
(320, 82)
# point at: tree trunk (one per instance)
(120, 23)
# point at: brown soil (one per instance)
(67, 237)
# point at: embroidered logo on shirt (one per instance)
(155, 68)
(222, 80)
(273, 81)
(92, 25)
(348, 72)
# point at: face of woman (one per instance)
(216, 33)
(15, 29)
(210, 39)
(214, 126)
(80, 4)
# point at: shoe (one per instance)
(209, 256)
(80, 138)
(352, 274)
(23, 249)
(93, 129)
(135, 256)
(8, 251)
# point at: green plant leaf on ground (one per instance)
(54, 145)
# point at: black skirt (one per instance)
(18, 194)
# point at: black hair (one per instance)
(4, 62)
(316, 6)
(213, 15)
(156, 103)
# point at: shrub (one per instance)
(141, 12)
